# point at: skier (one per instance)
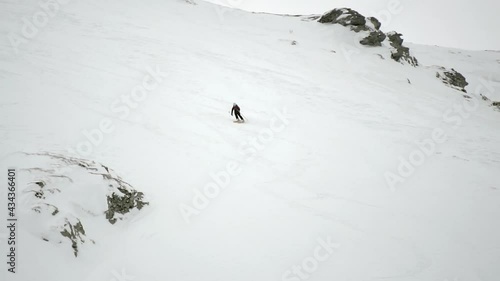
(237, 114)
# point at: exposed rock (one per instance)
(402, 54)
(496, 103)
(358, 23)
(75, 233)
(375, 22)
(345, 17)
(485, 98)
(40, 184)
(375, 39)
(66, 195)
(123, 202)
(360, 28)
(399, 52)
(395, 39)
(452, 78)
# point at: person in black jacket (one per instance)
(237, 114)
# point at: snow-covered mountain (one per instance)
(352, 165)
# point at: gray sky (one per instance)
(450, 23)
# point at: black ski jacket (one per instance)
(236, 108)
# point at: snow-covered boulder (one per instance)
(63, 197)
(371, 27)
(357, 23)
(122, 200)
(374, 23)
(375, 39)
(399, 52)
(346, 17)
(452, 78)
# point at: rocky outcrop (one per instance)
(66, 195)
(123, 202)
(346, 17)
(375, 23)
(452, 78)
(75, 233)
(374, 37)
(399, 52)
(496, 103)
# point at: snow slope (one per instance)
(328, 120)
(426, 21)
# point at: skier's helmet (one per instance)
(234, 104)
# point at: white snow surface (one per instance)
(321, 175)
